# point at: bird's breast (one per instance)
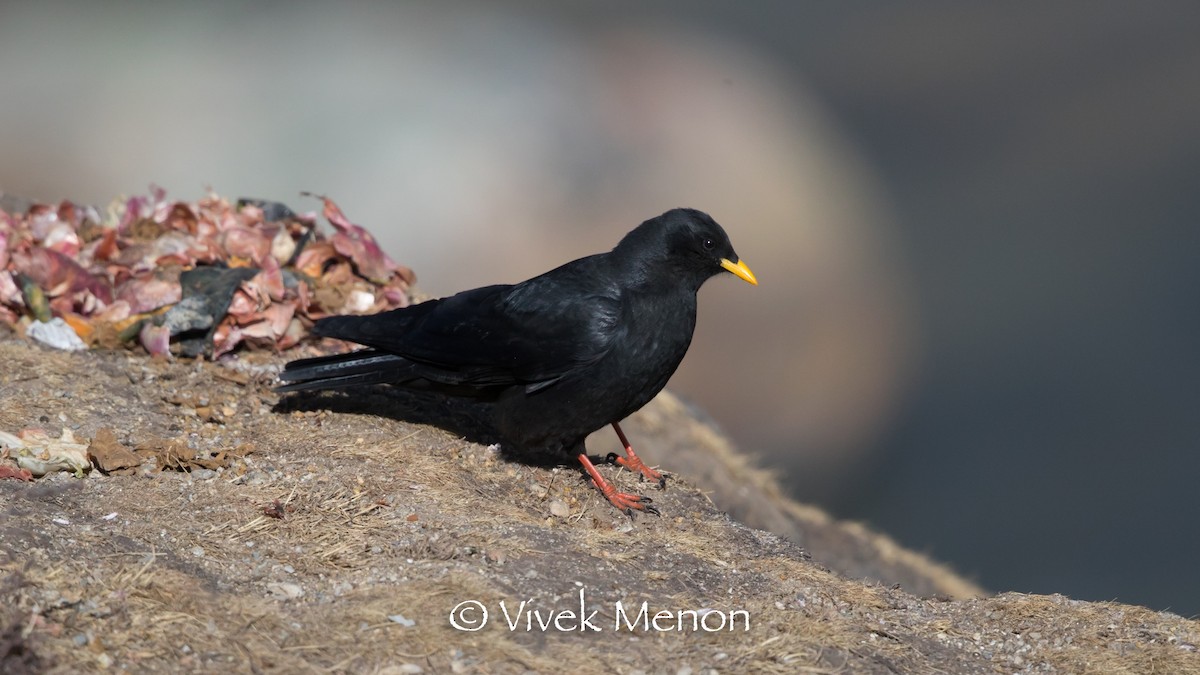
(654, 342)
(650, 342)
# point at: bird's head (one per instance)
(684, 243)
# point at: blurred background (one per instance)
(975, 225)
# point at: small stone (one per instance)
(402, 620)
(285, 590)
(559, 508)
(402, 669)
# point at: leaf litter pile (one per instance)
(175, 278)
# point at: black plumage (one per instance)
(560, 355)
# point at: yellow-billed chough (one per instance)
(560, 355)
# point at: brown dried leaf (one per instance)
(169, 454)
(109, 455)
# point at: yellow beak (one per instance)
(739, 269)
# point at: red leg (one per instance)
(624, 502)
(634, 463)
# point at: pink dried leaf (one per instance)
(312, 259)
(39, 219)
(225, 338)
(7, 471)
(303, 296)
(292, 336)
(135, 210)
(69, 213)
(118, 311)
(101, 249)
(205, 250)
(245, 305)
(62, 304)
(279, 316)
(58, 274)
(149, 291)
(159, 206)
(181, 217)
(245, 243)
(270, 278)
(156, 339)
(64, 239)
(10, 293)
(396, 296)
(170, 248)
(259, 329)
(359, 245)
(86, 303)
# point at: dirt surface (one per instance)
(329, 540)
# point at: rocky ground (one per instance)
(335, 534)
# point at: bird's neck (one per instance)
(656, 277)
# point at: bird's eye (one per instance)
(708, 244)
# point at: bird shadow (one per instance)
(466, 418)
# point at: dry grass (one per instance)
(343, 542)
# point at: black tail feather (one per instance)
(366, 366)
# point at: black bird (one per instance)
(560, 355)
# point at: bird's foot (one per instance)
(625, 502)
(634, 463)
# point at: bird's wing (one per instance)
(530, 334)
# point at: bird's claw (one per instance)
(646, 509)
(628, 503)
(636, 465)
(661, 482)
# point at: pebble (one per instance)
(402, 669)
(402, 620)
(559, 508)
(285, 590)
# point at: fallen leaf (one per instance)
(109, 455)
(7, 471)
(359, 245)
(41, 454)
